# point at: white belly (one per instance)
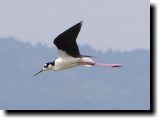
(67, 62)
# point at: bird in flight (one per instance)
(69, 54)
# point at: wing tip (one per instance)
(78, 25)
(81, 22)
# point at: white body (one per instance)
(69, 62)
(64, 61)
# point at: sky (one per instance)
(118, 24)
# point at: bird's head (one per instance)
(47, 66)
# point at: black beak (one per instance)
(38, 73)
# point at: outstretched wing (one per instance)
(66, 41)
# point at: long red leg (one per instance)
(101, 65)
(107, 65)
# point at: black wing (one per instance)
(66, 41)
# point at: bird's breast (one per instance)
(66, 62)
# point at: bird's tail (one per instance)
(86, 56)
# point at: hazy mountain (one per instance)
(77, 88)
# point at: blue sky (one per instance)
(120, 24)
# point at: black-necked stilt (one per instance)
(69, 55)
